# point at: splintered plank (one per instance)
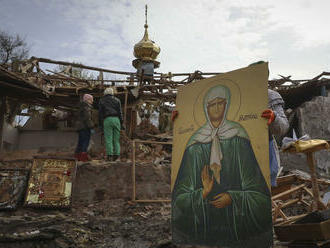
(288, 192)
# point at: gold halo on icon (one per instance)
(235, 100)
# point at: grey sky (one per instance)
(206, 35)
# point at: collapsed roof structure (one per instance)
(25, 82)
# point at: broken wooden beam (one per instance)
(125, 108)
(316, 193)
(288, 192)
(289, 203)
(49, 61)
(133, 171)
(291, 219)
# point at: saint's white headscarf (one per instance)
(226, 129)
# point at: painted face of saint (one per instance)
(216, 109)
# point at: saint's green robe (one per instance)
(246, 222)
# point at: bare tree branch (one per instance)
(12, 48)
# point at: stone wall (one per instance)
(97, 182)
(313, 119)
(51, 139)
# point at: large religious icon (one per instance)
(220, 170)
(50, 183)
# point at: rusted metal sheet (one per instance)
(50, 183)
(12, 187)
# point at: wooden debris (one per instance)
(293, 198)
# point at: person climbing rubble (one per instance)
(111, 122)
(84, 127)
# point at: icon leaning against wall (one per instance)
(220, 171)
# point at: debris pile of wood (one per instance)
(293, 197)
(313, 230)
(145, 129)
(155, 153)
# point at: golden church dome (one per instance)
(146, 49)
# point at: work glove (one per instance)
(174, 115)
(92, 131)
(268, 114)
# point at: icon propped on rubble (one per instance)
(50, 183)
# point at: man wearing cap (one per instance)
(111, 121)
(278, 126)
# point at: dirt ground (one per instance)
(111, 223)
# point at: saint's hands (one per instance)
(268, 114)
(221, 200)
(207, 181)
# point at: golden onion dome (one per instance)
(146, 49)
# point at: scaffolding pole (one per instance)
(2, 120)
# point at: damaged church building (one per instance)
(306, 105)
(50, 199)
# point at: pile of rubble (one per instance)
(112, 223)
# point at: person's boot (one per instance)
(79, 156)
(83, 157)
(115, 157)
(109, 158)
